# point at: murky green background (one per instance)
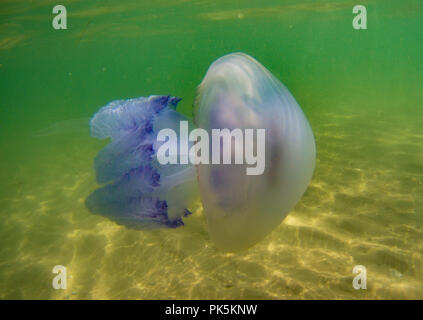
(361, 91)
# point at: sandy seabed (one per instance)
(363, 207)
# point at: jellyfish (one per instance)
(136, 190)
(237, 93)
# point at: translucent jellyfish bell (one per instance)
(241, 209)
(139, 192)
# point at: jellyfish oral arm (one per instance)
(138, 192)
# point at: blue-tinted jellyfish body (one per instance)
(138, 192)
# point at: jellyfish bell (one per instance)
(238, 92)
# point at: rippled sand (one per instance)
(363, 207)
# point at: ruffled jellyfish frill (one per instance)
(139, 192)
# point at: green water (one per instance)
(360, 89)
